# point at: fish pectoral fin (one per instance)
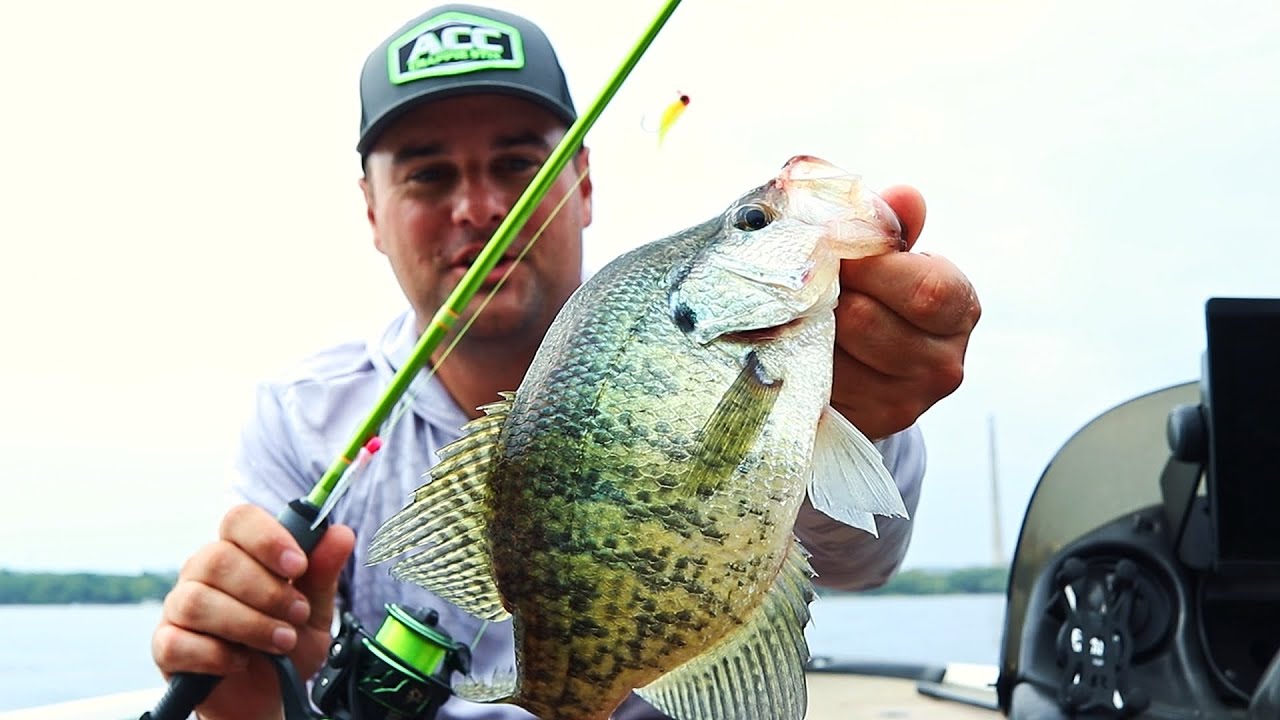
(445, 522)
(758, 671)
(850, 482)
(733, 426)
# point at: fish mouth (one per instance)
(807, 167)
(756, 336)
(815, 187)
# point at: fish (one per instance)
(631, 505)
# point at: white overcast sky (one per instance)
(180, 216)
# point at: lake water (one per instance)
(66, 652)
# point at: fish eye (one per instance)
(751, 217)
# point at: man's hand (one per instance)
(252, 588)
(902, 328)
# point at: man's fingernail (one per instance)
(299, 612)
(292, 563)
(284, 638)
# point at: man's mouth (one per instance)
(463, 263)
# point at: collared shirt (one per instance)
(305, 419)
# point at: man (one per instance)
(461, 107)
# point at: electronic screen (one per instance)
(1242, 394)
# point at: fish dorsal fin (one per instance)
(733, 426)
(850, 482)
(446, 522)
(757, 672)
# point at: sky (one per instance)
(181, 218)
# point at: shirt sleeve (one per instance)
(846, 558)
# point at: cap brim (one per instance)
(394, 113)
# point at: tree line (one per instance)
(963, 581)
(46, 588)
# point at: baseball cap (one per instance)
(454, 50)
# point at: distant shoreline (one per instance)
(84, 588)
(983, 580)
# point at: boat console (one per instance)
(1146, 581)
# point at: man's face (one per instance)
(440, 181)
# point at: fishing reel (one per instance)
(401, 672)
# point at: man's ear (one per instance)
(366, 187)
(583, 165)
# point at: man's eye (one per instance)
(517, 164)
(431, 174)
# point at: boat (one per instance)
(1145, 582)
(837, 691)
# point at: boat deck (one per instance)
(837, 696)
(832, 696)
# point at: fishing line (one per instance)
(484, 625)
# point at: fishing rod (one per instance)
(302, 517)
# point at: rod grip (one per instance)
(187, 690)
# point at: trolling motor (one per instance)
(1141, 592)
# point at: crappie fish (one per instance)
(631, 505)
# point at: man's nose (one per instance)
(479, 203)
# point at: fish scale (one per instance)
(636, 504)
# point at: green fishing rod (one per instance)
(303, 517)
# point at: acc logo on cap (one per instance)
(452, 43)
